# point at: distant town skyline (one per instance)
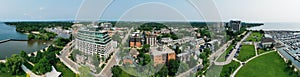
(249, 10)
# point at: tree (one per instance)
(146, 48)
(14, 64)
(163, 72)
(116, 70)
(39, 55)
(144, 59)
(261, 31)
(173, 67)
(51, 57)
(61, 41)
(42, 67)
(177, 50)
(24, 55)
(30, 36)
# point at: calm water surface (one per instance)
(15, 47)
(278, 26)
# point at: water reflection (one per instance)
(15, 47)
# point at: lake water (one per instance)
(15, 47)
(9, 32)
(278, 26)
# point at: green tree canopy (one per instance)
(14, 64)
(42, 67)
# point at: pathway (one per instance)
(241, 63)
(64, 58)
(231, 56)
(255, 46)
(106, 71)
(2, 61)
(30, 72)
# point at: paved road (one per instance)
(220, 51)
(65, 52)
(189, 72)
(106, 71)
(234, 73)
(231, 56)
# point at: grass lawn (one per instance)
(255, 37)
(268, 65)
(246, 52)
(229, 68)
(66, 72)
(222, 56)
(222, 71)
(260, 51)
(214, 71)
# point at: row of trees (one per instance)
(151, 26)
(44, 35)
(44, 60)
(205, 61)
(61, 42)
(168, 69)
(36, 26)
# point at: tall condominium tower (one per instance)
(93, 40)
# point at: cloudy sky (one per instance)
(192, 10)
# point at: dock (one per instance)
(291, 54)
(6, 40)
(3, 41)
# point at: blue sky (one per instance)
(247, 10)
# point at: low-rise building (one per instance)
(162, 55)
(127, 60)
(165, 31)
(135, 40)
(134, 53)
(166, 41)
(267, 42)
(184, 57)
(151, 40)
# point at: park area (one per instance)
(246, 52)
(260, 51)
(66, 72)
(255, 37)
(268, 65)
(222, 71)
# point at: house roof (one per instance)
(264, 40)
(134, 52)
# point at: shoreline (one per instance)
(35, 52)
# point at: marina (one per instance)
(291, 44)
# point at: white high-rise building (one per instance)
(93, 40)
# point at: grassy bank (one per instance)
(269, 65)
